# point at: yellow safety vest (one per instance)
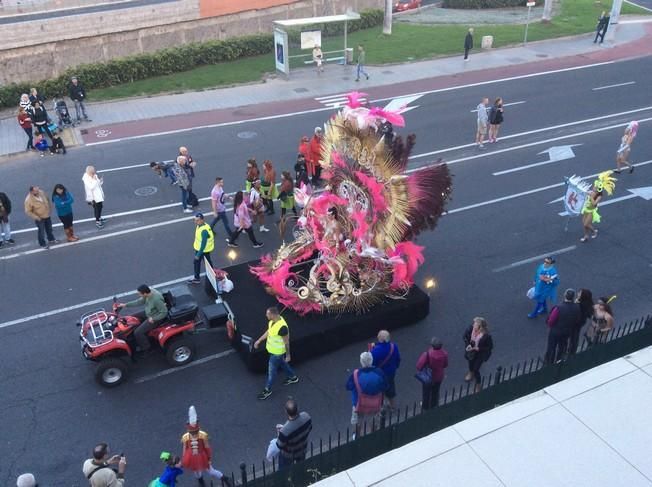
(210, 243)
(275, 344)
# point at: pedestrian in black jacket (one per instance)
(78, 96)
(40, 118)
(479, 345)
(563, 319)
(585, 300)
(468, 43)
(601, 28)
(5, 228)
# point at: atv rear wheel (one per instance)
(180, 351)
(111, 372)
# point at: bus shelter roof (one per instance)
(318, 20)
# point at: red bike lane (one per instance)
(279, 109)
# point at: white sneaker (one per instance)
(187, 210)
(263, 228)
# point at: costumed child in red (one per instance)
(197, 452)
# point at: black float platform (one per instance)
(313, 334)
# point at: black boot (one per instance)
(201, 481)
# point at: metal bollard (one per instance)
(243, 474)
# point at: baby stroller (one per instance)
(65, 120)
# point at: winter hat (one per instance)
(26, 480)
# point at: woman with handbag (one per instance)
(479, 345)
(430, 372)
(94, 194)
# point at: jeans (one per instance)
(79, 107)
(557, 345)
(221, 216)
(44, 226)
(97, 210)
(5, 229)
(466, 52)
(360, 70)
(30, 138)
(184, 197)
(276, 361)
(169, 173)
(197, 263)
(46, 129)
(140, 333)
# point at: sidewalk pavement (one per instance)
(306, 84)
(593, 429)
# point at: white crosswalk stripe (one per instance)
(335, 101)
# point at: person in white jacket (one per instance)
(94, 193)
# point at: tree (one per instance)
(387, 22)
(547, 11)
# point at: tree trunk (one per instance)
(387, 22)
(547, 11)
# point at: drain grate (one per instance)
(300, 90)
(387, 72)
(542, 55)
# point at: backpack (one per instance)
(366, 404)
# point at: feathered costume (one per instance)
(352, 246)
(605, 182)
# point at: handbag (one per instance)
(366, 404)
(469, 354)
(530, 293)
(424, 375)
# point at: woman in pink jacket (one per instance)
(242, 221)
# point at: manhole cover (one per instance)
(301, 90)
(247, 135)
(146, 191)
(387, 72)
(542, 55)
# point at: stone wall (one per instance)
(90, 38)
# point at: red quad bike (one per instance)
(108, 338)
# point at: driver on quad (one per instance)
(156, 312)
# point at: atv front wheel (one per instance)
(180, 352)
(111, 372)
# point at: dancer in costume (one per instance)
(286, 196)
(253, 173)
(590, 213)
(172, 471)
(197, 452)
(546, 281)
(626, 146)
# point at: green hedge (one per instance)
(167, 61)
(485, 3)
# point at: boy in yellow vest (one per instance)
(204, 245)
(278, 347)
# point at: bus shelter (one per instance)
(308, 39)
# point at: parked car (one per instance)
(403, 5)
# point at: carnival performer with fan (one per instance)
(333, 233)
(590, 213)
(197, 452)
(626, 146)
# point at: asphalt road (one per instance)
(53, 411)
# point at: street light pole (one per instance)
(527, 22)
(613, 19)
(387, 21)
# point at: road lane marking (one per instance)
(545, 129)
(536, 258)
(93, 302)
(146, 164)
(317, 110)
(555, 154)
(176, 281)
(517, 195)
(613, 86)
(200, 361)
(505, 105)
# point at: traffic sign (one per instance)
(530, 4)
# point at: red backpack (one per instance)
(366, 404)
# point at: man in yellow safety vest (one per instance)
(204, 245)
(278, 347)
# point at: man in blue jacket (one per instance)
(372, 384)
(387, 358)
